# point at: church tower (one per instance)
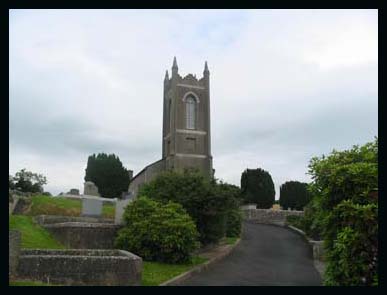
(186, 140)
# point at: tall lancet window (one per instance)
(190, 103)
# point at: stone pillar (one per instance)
(14, 251)
(120, 208)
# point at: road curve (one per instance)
(267, 255)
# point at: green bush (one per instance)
(314, 220)
(158, 231)
(294, 194)
(257, 186)
(108, 174)
(344, 212)
(234, 223)
(296, 221)
(351, 237)
(207, 202)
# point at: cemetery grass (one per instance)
(29, 283)
(63, 206)
(155, 273)
(33, 235)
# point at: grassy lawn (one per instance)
(63, 206)
(154, 273)
(29, 283)
(33, 235)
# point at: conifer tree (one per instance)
(257, 187)
(108, 174)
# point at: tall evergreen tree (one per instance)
(294, 195)
(257, 187)
(108, 174)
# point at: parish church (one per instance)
(186, 136)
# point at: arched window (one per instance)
(190, 112)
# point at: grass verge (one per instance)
(33, 235)
(63, 206)
(29, 283)
(154, 273)
(231, 240)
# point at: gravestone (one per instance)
(90, 189)
(120, 208)
(91, 207)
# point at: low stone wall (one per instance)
(50, 219)
(82, 235)
(81, 267)
(14, 251)
(318, 249)
(269, 216)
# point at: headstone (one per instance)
(74, 191)
(120, 209)
(91, 207)
(90, 189)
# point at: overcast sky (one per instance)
(286, 85)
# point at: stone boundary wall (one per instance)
(14, 251)
(269, 216)
(82, 235)
(50, 219)
(81, 267)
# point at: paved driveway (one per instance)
(267, 255)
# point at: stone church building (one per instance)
(186, 137)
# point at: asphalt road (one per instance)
(267, 255)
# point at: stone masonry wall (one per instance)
(269, 216)
(81, 267)
(81, 235)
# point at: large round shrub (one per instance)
(158, 231)
(207, 202)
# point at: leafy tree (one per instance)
(11, 182)
(257, 187)
(27, 181)
(207, 202)
(343, 211)
(294, 194)
(158, 231)
(108, 174)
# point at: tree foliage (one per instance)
(207, 202)
(158, 231)
(27, 181)
(108, 174)
(344, 212)
(294, 195)
(257, 187)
